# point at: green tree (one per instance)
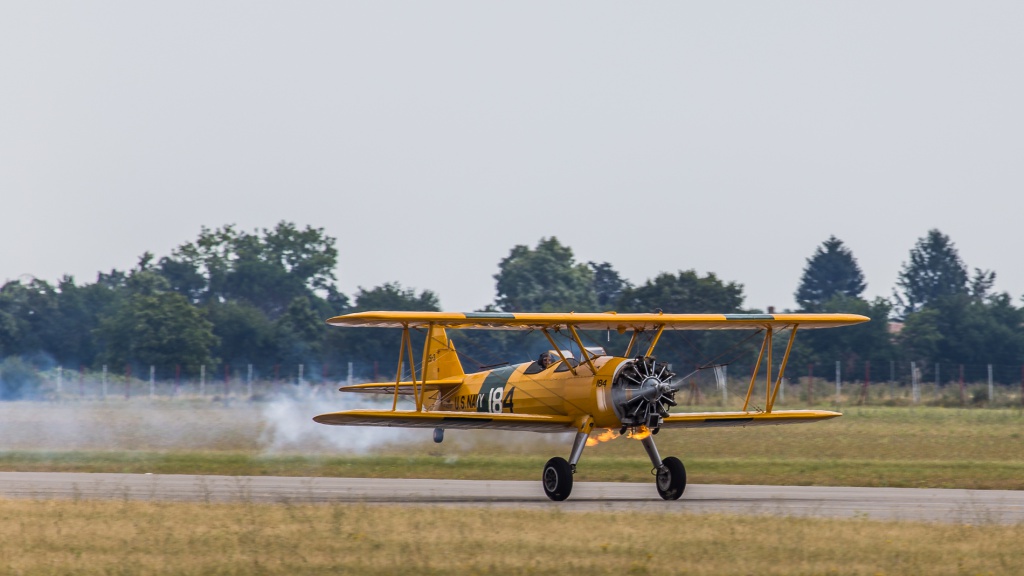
(687, 293)
(965, 330)
(950, 317)
(684, 293)
(18, 379)
(268, 268)
(608, 285)
(544, 279)
(161, 329)
(392, 296)
(866, 341)
(831, 271)
(244, 333)
(28, 313)
(921, 335)
(934, 271)
(379, 345)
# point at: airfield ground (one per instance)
(868, 446)
(876, 446)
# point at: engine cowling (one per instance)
(642, 393)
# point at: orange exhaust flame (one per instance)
(639, 433)
(602, 437)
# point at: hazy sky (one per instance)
(431, 137)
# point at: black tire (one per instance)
(557, 479)
(671, 480)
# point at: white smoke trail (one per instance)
(289, 426)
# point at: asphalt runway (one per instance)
(956, 506)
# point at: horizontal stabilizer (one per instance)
(404, 388)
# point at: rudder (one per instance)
(442, 360)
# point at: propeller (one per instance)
(642, 393)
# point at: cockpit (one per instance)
(553, 359)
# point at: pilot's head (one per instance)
(544, 360)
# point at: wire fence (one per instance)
(893, 383)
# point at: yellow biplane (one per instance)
(597, 390)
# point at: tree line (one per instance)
(261, 297)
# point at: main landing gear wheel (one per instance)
(671, 480)
(557, 479)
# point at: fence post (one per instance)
(810, 383)
(81, 380)
(839, 385)
(963, 395)
(991, 388)
(248, 381)
(892, 378)
(938, 381)
(227, 381)
(277, 376)
(177, 380)
(348, 380)
(127, 381)
(914, 386)
(104, 389)
(60, 380)
(867, 381)
(202, 380)
(302, 368)
(152, 381)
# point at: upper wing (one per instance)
(593, 321)
(457, 420)
(721, 419)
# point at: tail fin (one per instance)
(442, 360)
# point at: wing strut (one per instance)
(558, 350)
(766, 343)
(412, 365)
(654, 342)
(583, 349)
(782, 368)
(423, 369)
(632, 340)
(771, 390)
(398, 376)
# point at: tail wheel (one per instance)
(671, 480)
(557, 479)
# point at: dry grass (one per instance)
(93, 537)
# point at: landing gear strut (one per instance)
(670, 473)
(557, 477)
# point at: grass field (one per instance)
(92, 537)
(868, 446)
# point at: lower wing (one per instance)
(722, 419)
(452, 420)
(544, 423)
